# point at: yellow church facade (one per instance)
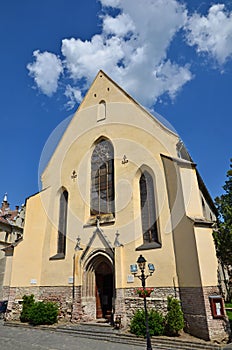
(120, 184)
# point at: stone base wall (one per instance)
(120, 306)
(127, 302)
(2, 271)
(5, 292)
(195, 305)
(77, 311)
(198, 316)
(219, 329)
(60, 295)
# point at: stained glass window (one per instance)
(148, 208)
(102, 178)
(61, 246)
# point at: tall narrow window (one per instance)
(102, 178)
(148, 208)
(61, 246)
(203, 207)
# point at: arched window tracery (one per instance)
(102, 178)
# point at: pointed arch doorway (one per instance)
(99, 283)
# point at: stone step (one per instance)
(105, 332)
(100, 332)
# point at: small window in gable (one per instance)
(101, 113)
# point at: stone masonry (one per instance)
(194, 301)
(198, 315)
(127, 302)
(60, 295)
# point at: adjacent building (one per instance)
(11, 230)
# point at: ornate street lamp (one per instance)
(134, 269)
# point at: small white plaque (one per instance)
(130, 278)
(33, 281)
(70, 280)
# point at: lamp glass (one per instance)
(134, 268)
(141, 262)
(151, 268)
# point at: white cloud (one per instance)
(84, 58)
(108, 3)
(212, 34)
(120, 25)
(131, 47)
(46, 70)
(74, 96)
(171, 77)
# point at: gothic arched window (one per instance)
(63, 211)
(102, 178)
(148, 208)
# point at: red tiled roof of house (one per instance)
(7, 215)
(2, 219)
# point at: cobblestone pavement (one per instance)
(13, 338)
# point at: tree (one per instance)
(223, 234)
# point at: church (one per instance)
(119, 185)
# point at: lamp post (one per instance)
(134, 269)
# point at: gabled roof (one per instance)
(103, 88)
(127, 98)
(104, 243)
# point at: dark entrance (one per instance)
(104, 290)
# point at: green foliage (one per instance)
(40, 312)
(138, 325)
(223, 235)
(43, 313)
(229, 314)
(174, 320)
(28, 302)
(170, 325)
(228, 305)
(155, 323)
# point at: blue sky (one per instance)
(174, 57)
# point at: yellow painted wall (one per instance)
(207, 256)
(27, 262)
(136, 134)
(192, 199)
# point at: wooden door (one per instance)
(98, 293)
